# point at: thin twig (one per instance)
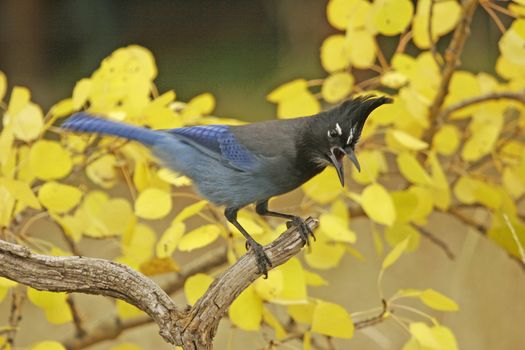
(515, 237)
(15, 316)
(510, 95)
(438, 242)
(433, 48)
(77, 319)
(493, 15)
(452, 61)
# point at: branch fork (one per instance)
(192, 328)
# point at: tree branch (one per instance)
(111, 329)
(193, 328)
(452, 61)
(510, 95)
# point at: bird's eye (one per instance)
(332, 133)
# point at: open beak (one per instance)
(337, 155)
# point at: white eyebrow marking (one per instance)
(350, 136)
(338, 128)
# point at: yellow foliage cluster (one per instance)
(472, 159)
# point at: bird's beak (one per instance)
(336, 156)
(354, 160)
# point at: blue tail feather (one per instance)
(85, 122)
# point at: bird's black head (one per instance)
(337, 131)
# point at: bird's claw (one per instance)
(304, 230)
(262, 260)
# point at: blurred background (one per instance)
(239, 51)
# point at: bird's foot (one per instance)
(304, 230)
(262, 260)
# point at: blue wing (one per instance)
(220, 142)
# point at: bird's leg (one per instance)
(304, 230)
(263, 262)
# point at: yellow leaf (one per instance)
(361, 48)
(102, 171)
(469, 190)
(399, 232)
(58, 197)
(60, 109)
(302, 313)
(47, 345)
(513, 182)
(21, 191)
(170, 239)
(272, 321)
(3, 85)
(53, 304)
(7, 202)
(294, 99)
(440, 187)
(445, 338)
(287, 91)
(445, 16)
(199, 237)
(392, 17)
(28, 123)
(405, 203)
(48, 160)
(394, 80)
(195, 287)
(424, 335)
(314, 279)
(378, 204)
(138, 245)
(446, 140)
(394, 254)
(408, 141)
(203, 103)
(105, 217)
(20, 97)
(336, 228)
(374, 163)
(343, 14)
(293, 289)
(126, 311)
(412, 170)
(152, 204)
(426, 199)
(271, 287)
(334, 53)
(512, 43)
(302, 104)
(324, 254)
(485, 129)
(189, 211)
(81, 93)
(323, 188)
(159, 266)
(173, 178)
(332, 320)
(247, 300)
(509, 70)
(463, 85)
(337, 86)
(438, 301)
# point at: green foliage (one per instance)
(463, 153)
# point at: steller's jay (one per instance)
(238, 165)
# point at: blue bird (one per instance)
(234, 166)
